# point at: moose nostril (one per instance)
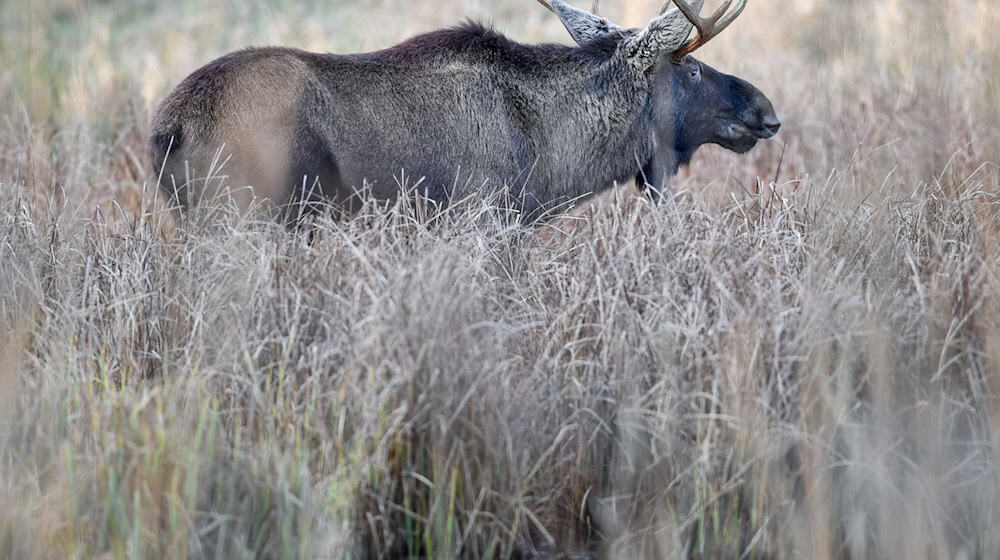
(772, 123)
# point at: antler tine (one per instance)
(731, 17)
(690, 12)
(594, 7)
(707, 28)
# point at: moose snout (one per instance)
(772, 123)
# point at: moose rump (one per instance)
(231, 129)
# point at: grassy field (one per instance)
(795, 356)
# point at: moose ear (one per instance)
(582, 25)
(665, 34)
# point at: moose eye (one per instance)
(695, 73)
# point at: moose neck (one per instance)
(598, 131)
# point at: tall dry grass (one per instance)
(794, 356)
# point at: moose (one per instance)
(458, 112)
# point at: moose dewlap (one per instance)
(459, 111)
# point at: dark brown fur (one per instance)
(452, 112)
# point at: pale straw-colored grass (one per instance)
(795, 355)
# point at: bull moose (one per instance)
(459, 111)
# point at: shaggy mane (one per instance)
(475, 37)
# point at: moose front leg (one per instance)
(650, 180)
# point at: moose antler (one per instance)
(707, 28)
